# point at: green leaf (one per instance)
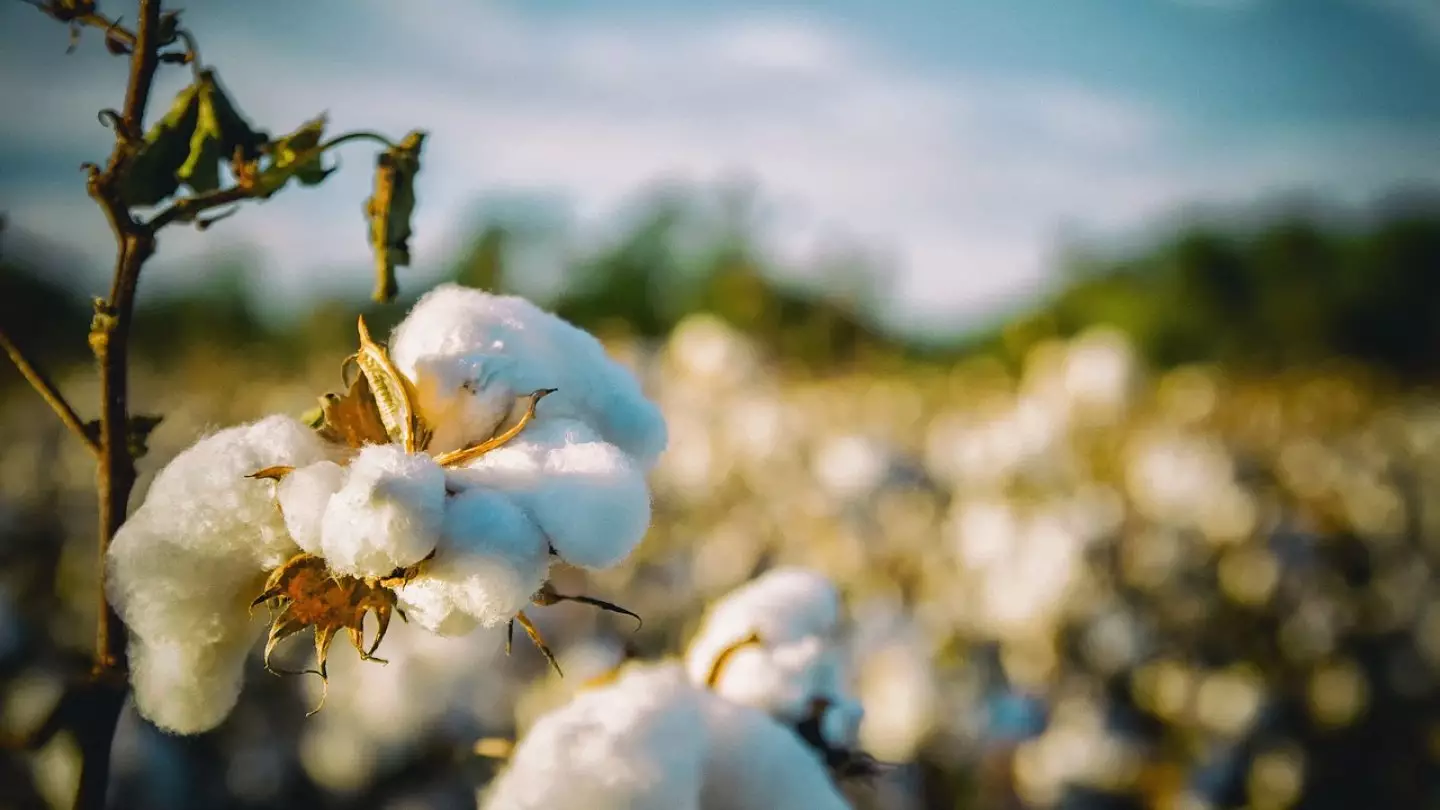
(150, 176)
(389, 210)
(296, 155)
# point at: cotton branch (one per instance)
(47, 390)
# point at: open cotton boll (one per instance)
(491, 559)
(303, 496)
(637, 744)
(591, 501)
(182, 568)
(782, 605)
(779, 680)
(754, 763)
(387, 515)
(458, 342)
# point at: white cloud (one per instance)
(963, 179)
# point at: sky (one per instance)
(957, 141)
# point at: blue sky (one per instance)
(957, 141)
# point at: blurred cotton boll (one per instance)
(654, 740)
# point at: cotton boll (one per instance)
(491, 557)
(638, 743)
(303, 496)
(754, 763)
(458, 342)
(183, 568)
(781, 606)
(590, 500)
(387, 515)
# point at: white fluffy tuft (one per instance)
(638, 743)
(795, 613)
(470, 353)
(491, 560)
(590, 500)
(184, 566)
(303, 496)
(754, 763)
(387, 515)
(653, 740)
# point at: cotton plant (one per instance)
(652, 739)
(776, 644)
(488, 440)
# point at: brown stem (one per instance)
(110, 340)
(47, 390)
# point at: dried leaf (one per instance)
(276, 473)
(394, 394)
(137, 438)
(220, 133)
(389, 210)
(547, 595)
(353, 420)
(151, 174)
(296, 155)
(309, 595)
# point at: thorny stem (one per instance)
(47, 390)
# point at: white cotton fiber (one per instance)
(387, 515)
(491, 559)
(637, 744)
(795, 614)
(430, 603)
(780, 680)
(650, 740)
(459, 343)
(188, 688)
(754, 763)
(303, 495)
(183, 568)
(588, 498)
(782, 605)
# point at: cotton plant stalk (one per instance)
(488, 440)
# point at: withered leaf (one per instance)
(152, 172)
(220, 133)
(393, 393)
(389, 209)
(275, 473)
(353, 419)
(296, 155)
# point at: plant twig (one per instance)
(47, 390)
(112, 28)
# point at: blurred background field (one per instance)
(1151, 526)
